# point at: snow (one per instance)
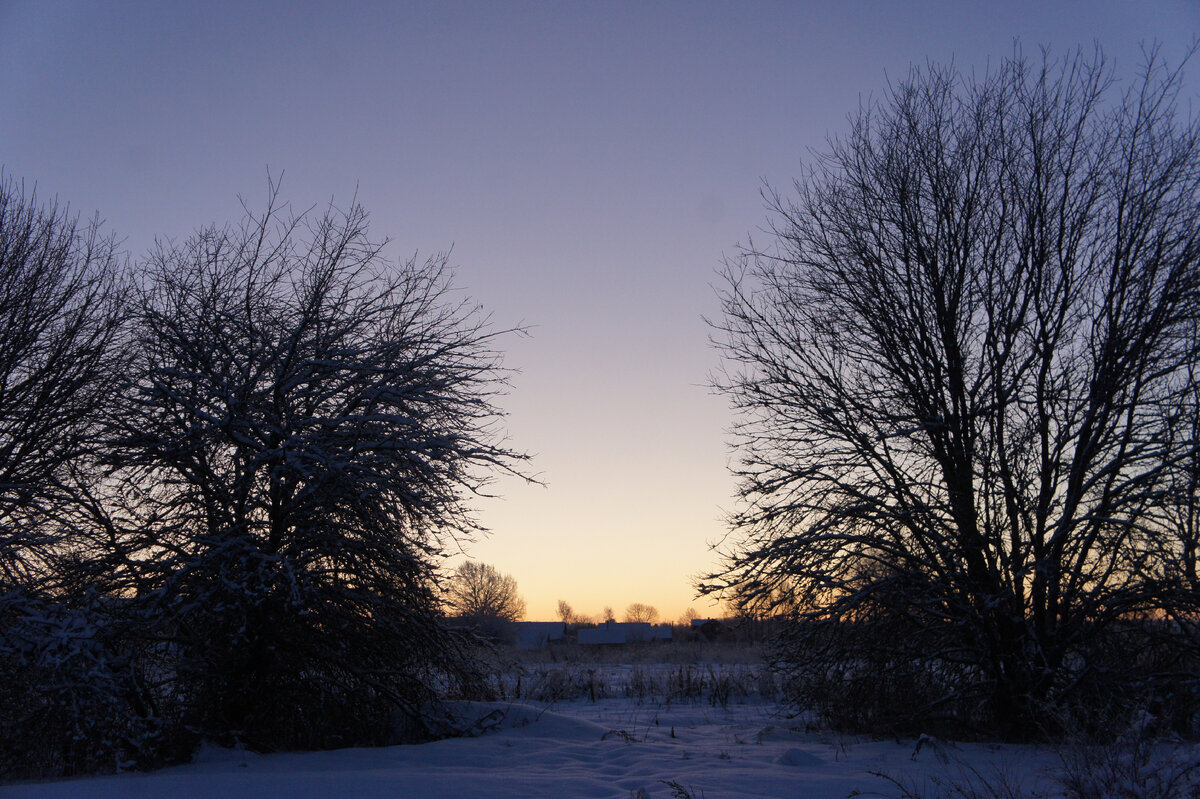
(610, 748)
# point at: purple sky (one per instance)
(590, 164)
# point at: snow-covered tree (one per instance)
(66, 702)
(306, 424)
(958, 371)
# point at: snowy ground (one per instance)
(610, 748)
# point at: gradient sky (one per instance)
(589, 163)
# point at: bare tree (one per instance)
(306, 422)
(956, 370)
(640, 612)
(1180, 544)
(477, 590)
(567, 614)
(64, 707)
(60, 309)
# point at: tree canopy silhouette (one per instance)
(641, 612)
(480, 591)
(303, 427)
(964, 372)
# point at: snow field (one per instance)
(611, 748)
(654, 731)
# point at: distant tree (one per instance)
(303, 425)
(567, 615)
(479, 591)
(963, 370)
(639, 612)
(687, 617)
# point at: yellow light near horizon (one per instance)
(598, 556)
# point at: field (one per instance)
(666, 722)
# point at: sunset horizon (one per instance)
(587, 168)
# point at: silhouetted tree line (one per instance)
(965, 371)
(228, 472)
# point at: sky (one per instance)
(587, 165)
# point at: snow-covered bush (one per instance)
(72, 701)
(1130, 672)
(878, 674)
(1138, 765)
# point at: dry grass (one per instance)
(662, 673)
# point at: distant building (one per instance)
(535, 634)
(616, 632)
(610, 632)
(709, 629)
